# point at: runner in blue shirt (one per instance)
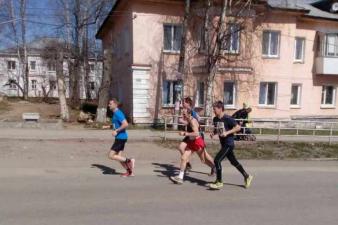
(119, 125)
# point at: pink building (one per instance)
(286, 59)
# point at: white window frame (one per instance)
(52, 85)
(231, 39)
(299, 96)
(335, 45)
(92, 85)
(171, 50)
(51, 66)
(198, 93)
(301, 60)
(171, 93)
(266, 95)
(234, 91)
(323, 99)
(10, 64)
(269, 46)
(91, 67)
(30, 65)
(12, 86)
(34, 84)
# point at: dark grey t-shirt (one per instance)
(224, 124)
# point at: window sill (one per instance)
(229, 52)
(295, 107)
(168, 106)
(171, 52)
(298, 62)
(270, 57)
(230, 107)
(327, 107)
(267, 106)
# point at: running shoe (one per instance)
(247, 181)
(216, 186)
(176, 179)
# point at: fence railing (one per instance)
(325, 130)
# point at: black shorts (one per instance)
(119, 145)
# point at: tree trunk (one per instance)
(181, 62)
(101, 113)
(61, 87)
(213, 56)
(25, 57)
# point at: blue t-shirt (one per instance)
(194, 114)
(117, 119)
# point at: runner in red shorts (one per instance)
(195, 143)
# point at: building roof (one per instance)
(313, 7)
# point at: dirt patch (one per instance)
(12, 110)
(273, 150)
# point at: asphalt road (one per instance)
(54, 182)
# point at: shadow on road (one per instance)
(105, 169)
(169, 170)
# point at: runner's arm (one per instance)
(194, 126)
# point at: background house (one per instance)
(285, 59)
(42, 73)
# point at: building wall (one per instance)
(147, 19)
(43, 76)
(118, 38)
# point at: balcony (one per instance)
(326, 65)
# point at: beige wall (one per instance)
(145, 20)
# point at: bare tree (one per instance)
(56, 52)
(216, 36)
(77, 17)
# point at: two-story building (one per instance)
(288, 55)
(42, 72)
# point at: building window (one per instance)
(299, 49)
(331, 45)
(169, 92)
(202, 44)
(267, 93)
(12, 85)
(92, 86)
(52, 85)
(295, 95)
(328, 96)
(91, 67)
(51, 66)
(33, 65)
(270, 46)
(229, 94)
(34, 82)
(231, 39)
(172, 38)
(11, 65)
(200, 96)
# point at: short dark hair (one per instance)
(188, 100)
(218, 104)
(118, 103)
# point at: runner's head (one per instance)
(218, 108)
(186, 114)
(114, 104)
(187, 103)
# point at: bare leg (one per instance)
(206, 158)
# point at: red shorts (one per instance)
(195, 145)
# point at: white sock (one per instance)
(181, 175)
